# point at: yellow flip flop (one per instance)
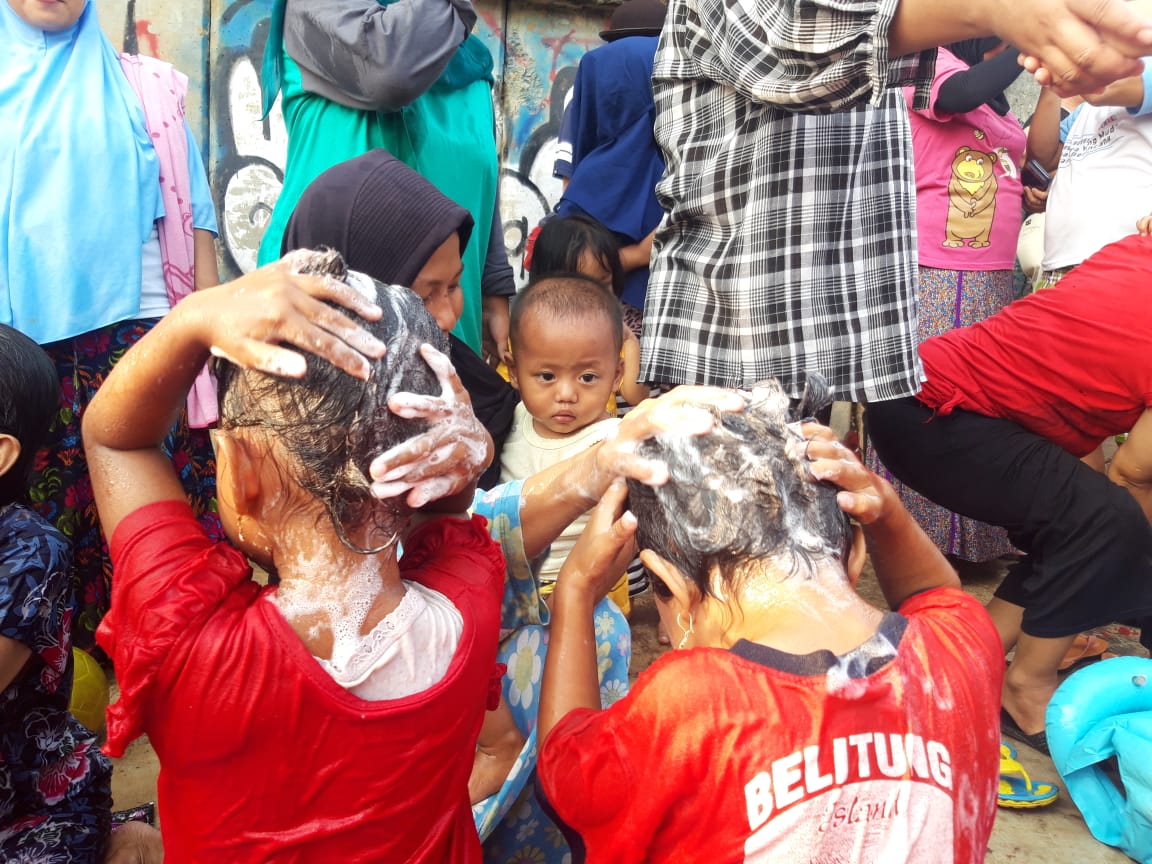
(1017, 791)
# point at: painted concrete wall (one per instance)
(219, 45)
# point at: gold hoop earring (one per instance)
(686, 631)
(240, 528)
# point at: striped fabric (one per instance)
(789, 243)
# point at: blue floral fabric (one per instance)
(512, 825)
(55, 786)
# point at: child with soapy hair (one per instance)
(793, 721)
(346, 699)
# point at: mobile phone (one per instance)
(1034, 175)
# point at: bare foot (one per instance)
(494, 760)
(135, 843)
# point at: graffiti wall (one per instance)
(219, 45)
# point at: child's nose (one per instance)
(566, 392)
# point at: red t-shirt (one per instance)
(889, 753)
(1071, 363)
(263, 757)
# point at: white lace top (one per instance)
(407, 652)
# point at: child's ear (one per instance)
(511, 364)
(685, 595)
(857, 555)
(9, 453)
(619, 373)
(237, 474)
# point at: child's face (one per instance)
(438, 284)
(565, 372)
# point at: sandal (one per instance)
(1017, 791)
(1085, 649)
(1009, 727)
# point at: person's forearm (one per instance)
(498, 279)
(552, 499)
(905, 560)
(630, 387)
(206, 272)
(1044, 131)
(968, 90)
(138, 402)
(922, 24)
(571, 678)
(1125, 93)
(638, 255)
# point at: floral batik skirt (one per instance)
(512, 823)
(948, 299)
(61, 490)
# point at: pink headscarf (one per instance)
(161, 89)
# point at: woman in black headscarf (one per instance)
(392, 224)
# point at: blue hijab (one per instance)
(79, 181)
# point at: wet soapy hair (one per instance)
(564, 298)
(29, 399)
(741, 493)
(331, 424)
(563, 241)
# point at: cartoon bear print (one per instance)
(971, 199)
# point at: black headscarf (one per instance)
(383, 217)
(387, 221)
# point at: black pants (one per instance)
(1089, 544)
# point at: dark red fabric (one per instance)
(264, 758)
(1071, 363)
(714, 757)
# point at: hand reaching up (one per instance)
(864, 495)
(249, 320)
(604, 549)
(443, 461)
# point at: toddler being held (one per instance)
(566, 335)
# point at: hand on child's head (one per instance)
(605, 547)
(251, 318)
(862, 491)
(685, 410)
(444, 460)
